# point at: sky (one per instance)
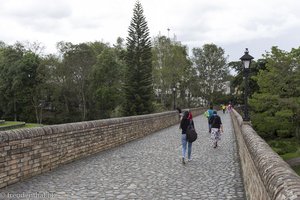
(230, 24)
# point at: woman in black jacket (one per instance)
(184, 124)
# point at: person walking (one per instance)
(186, 121)
(229, 108)
(216, 128)
(179, 112)
(223, 108)
(209, 114)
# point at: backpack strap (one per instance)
(191, 124)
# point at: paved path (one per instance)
(148, 168)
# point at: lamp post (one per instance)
(246, 59)
(174, 92)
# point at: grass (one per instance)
(291, 155)
(27, 125)
(287, 149)
(8, 123)
(297, 169)
(32, 125)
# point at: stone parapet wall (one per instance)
(28, 152)
(266, 175)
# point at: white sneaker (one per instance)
(189, 160)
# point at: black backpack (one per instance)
(191, 133)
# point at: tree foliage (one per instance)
(95, 80)
(83, 82)
(238, 84)
(138, 85)
(107, 83)
(171, 69)
(276, 104)
(22, 79)
(212, 70)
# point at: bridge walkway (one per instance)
(148, 168)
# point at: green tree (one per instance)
(138, 85)
(276, 105)
(22, 81)
(10, 59)
(172, 68)
(31, 84)
(237, 82)
(212, 69)
(79, 59)
(107, 83)
(54, 108)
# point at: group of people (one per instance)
(214, 125)
(228, 108)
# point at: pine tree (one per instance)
(138, 76)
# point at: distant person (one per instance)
(223, 108)
(229, 108)
(208, 114)
(216, 128)
(180, 113)
(186, 121)
(190, 117)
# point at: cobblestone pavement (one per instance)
(148, 168)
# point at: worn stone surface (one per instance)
(266, 175)
(148, 168)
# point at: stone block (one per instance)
(13, 171)
(3, 174)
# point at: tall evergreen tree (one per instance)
(138, 86)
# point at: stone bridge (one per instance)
(139, 158)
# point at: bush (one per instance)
(283, 146)
(284, 133)
(117, 112)
(264, 125)
(158, 107)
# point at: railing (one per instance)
(266, 175)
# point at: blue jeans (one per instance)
(184, 142)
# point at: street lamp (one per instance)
(174, 91)
(246, 59)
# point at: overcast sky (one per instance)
(230, 24)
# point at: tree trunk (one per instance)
(84, 107)
(36, 107)
(15, 109)
(83, 102)
(66, 104)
